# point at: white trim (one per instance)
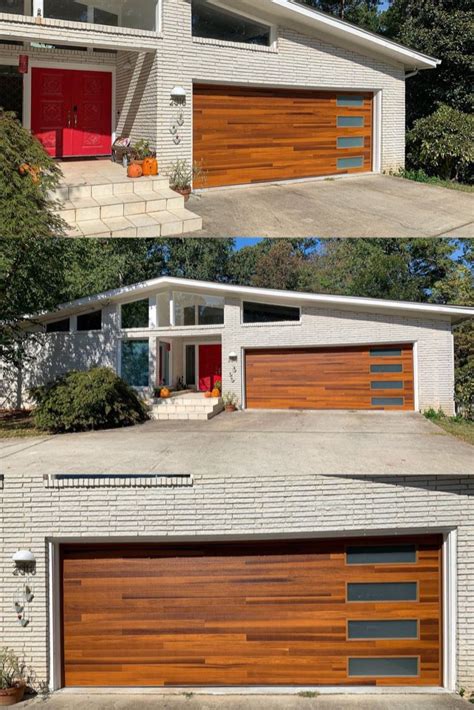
(416, 377)
(377, 132)
(312, 298)
(449, 605)
(450, 601)
(73, 66)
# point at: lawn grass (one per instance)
(17, 424)
(457, 426)
(420, 176)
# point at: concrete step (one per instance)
(186, 408)
(163, 223)
(109, 206)
(120, 185)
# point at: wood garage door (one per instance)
(354, 612)
(249, 135)
(378, 377)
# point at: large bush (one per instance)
(443, 144)
(27, 174)
(81, 401)
(464, 391)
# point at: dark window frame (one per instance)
(86, 315)
(270, 306)
(57, 322)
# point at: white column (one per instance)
(172, 318)
(152, 313)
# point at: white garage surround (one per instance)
(449, 610)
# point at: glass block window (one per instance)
(383, 629)
(387, 368)
(345, 163)
(351, 142)
(268, 313)
(386, 385)
(385, 352)
(380, 554)
(350, 101)
(135, 314)
(382, 592)
(384, 667)
(388, 401)
(214, 22)
(58, 326)
(350, 121)
(90, 321)
(135, 362)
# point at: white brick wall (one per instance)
(59, 353)
(296, 503)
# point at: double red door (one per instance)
(71, 111)
(210, 366)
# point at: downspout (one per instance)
(412, 73)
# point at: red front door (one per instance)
(210, 366)
(71, 111)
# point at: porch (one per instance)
(192, 406)
(97, 199)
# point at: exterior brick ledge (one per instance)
(84, 26)
(235, 45)
(159, 480)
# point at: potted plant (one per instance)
(230, 402)
(182, 175)
(13, 678)
(141, 150)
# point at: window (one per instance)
(215, 23)
(385, 352)
(386, 368)
(388, 401)
(386, 385)
(268, 313)
(193, 309)
(381, 554)
(163, 309)
(90, 321)
(190, 376)
(135, 362)
(350, 101)
(355, 142)
(135, 314)
(136, 14)
(377, 629)
(13, 7)
(58, 326)
(350, 121)
(382, 592)
(388, 667)
(345, 163)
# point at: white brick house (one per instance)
(103, 69)
(271, 349)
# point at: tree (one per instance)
(279, 267)
(27, 174)
(443, 29)
(364, 13)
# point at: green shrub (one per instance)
(443, 144)
(26, 207)
(464, 391)
(81, 401)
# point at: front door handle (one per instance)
(68, 122)
(75, 116)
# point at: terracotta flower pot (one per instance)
(12, 696)
(184, 191)
(230, 408)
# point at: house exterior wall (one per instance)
(299, 61)
(293, 503)
(319, 327)
(144, 80)
(329, 326)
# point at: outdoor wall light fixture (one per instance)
(178, 96)
(25, 562)
(233, 356)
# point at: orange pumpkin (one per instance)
(208, 395)
(165, 393)
(150, 166)
(134, 170)
(215, 392)
(24, 168)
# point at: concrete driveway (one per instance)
(367, 206)
(266, 442)
(149, 701)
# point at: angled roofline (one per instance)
(456, 313)
(363, 38)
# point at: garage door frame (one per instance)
(413, 343)
(377, 132)
(449, 592)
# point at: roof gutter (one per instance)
(412, 73)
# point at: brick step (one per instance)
(120, 186)
(122, 205)
(163, 223)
